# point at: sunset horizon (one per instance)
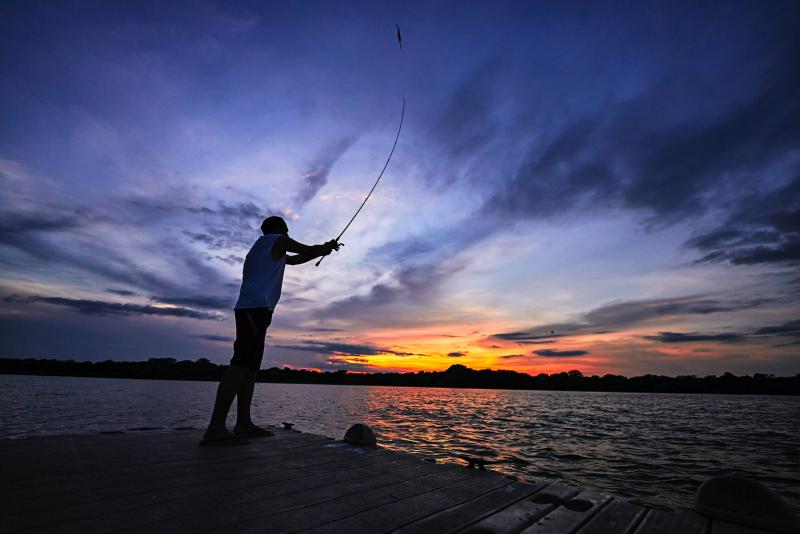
(594, 189)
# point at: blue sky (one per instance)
(625, 176)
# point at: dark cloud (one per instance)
(618, 315)
(97, 307)
(513, 356)
(230, 259)
(465, 123)
(691, 337)
(765, 229)
(212, 337)
(788, 329)
(341, 349)
(410, 284)
(548, 353)
(456, 354)
(632, 312)
(199, 301)
(791, 328)
(632, 155)
(122, 292)
(67, 240)
(529, 338)
(15, 226)
(316, 175)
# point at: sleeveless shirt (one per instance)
(262, 277)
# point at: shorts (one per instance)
(251, 329)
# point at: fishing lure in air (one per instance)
(391, 152)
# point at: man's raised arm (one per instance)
(303, 253)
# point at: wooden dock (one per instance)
(161, 481)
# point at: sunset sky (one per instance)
(611, 189)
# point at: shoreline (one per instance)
(367, 384)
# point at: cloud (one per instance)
(212, 337)
(765, 229)
(316, 175)
(548, 353)
(630, 155)
(530, 338)
(691, 337)
(122, 292)
(199, 301)
(97, 307)
(456, 354)
(465, 123)
(341, 349)
(411, 284)
(789, 328)
(618, 315)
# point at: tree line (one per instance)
(456, 376)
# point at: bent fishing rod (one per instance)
(385, 165)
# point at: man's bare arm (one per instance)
(286, 244)
(298, 259)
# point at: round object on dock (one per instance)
(745, 502)
(361, 434)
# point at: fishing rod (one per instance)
(385, 165)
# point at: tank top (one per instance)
(262, 277)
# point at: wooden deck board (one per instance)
(669, 522)
(238, 481)
(145, 477)
(723, 527)
(340, 503)
(618, 516)
(212, 494)
(161, 481)
(524, 513)
(387, 517)
(460, 516)
(566, 519)
(69, 457)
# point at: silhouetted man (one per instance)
(262, 278)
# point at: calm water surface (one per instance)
(652, 447)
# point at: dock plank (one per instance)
(723, 527)
(340, 503)
(672, 521)
(460, 516)
(618, 516)
(161, 481)
(304, 472)
(524, 513)
(211, 494)
(70, 458)
(567, 517)
(126, 479)
(387, 517)
(234, 516)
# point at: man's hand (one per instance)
(333, 245)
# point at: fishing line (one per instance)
(385, 165)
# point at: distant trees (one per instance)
(456, 376)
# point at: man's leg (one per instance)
(244, 398)
(244, 422)
(229, 386)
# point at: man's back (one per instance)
(262, 276)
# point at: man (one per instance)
(262, 278)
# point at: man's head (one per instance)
(274, 225)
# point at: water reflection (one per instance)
(633, 445)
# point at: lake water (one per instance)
(653, 447)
